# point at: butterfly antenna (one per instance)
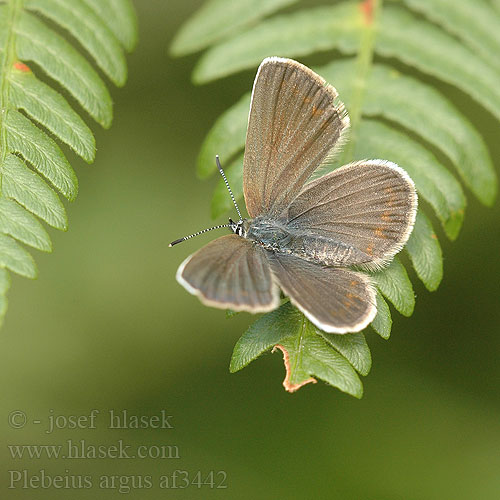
(180, 240)
(227, 185)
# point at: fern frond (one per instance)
(33, 167)
(402, 117)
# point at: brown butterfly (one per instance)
(303, 238)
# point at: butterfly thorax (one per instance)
(278, 236)
(270, 234)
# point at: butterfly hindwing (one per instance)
(368, 205)
(230, 273)
(336, 300)
(295, 120)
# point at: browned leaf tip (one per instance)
(286, 383)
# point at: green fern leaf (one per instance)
(226, 138)
(396, 116)
(262, 335)
(24, 195)
(473, 21)
(394, 284)
(16, 258)
(432, 51)
(297, 34)
(382, 323)
(119, 16)
(36, 42)
(21, 225)
(425, 252)
(90, 30)
(22, 185)
(218, 19)
(41, 151)
(51, 110)
(353, 347)
(313, 357)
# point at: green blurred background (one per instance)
(106, 326)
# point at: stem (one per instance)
(371, 10)
(298, 343)
(9, 56)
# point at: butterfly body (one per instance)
(306, 238)
(279, 237)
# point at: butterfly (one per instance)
(310, 239)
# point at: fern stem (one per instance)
(13, 9)
(370, 10)
(299, 341)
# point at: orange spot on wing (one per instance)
(380, 232)
(351, 298)
(392, 198)
(369, 250)
(21, 67)
(354, 283)
(317, 111)
(386, 216)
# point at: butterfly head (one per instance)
(239, 228)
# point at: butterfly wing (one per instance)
(336, 300)
(369, 206)
(230, 273)
(295, 120)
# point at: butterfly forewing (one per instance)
(336, 300)
(369, 205)
(295, 120)
(230, 273)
